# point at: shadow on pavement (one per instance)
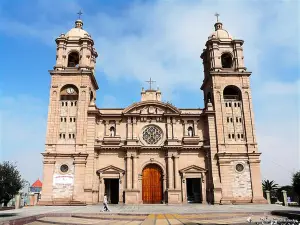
(8, 214)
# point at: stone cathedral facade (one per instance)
(150, 151)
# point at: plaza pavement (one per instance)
(140, 214)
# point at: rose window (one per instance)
(152, 135)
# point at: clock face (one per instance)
(70, 90)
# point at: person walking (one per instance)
(105, 205)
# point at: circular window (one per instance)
(64, 168)
(239, 167)
(152, 135)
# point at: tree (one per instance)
(10, 181)
(272, 187)
(296, 183)
(269, 185)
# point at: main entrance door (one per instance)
(152, 184)
(112, 190)
(193, 189)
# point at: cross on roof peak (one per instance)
(79, 14)
(150, 83)
(217, 15)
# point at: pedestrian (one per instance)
(105, 206)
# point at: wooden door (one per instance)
(152, 184)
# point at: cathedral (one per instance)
(150, 152)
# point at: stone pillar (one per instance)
(78, 193)
(169, 126)
(176, 173)
(226, 176)
(203, 180)
(17, 201)
(49, 165)
(135, 173)
(128, 172)
(268, 197)
(257, 192)
(129, 128)
(134, 128)
(170, 173)
(285, 202)
(101, 188)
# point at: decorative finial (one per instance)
(217, 15)
(150, 82)
(79, 14)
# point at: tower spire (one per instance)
(218, 24)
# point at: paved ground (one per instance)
(143, 214)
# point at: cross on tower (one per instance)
(150, 82)
(217, 15)
(79, 14)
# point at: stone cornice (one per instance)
(57, 154)
(72, 72)
(229, 73)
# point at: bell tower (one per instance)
(72, 94)
(235, 164)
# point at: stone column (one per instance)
(203, 180)
(257, 191)
(285, 202)
(49, 166)
(268, 197)
(78, 193)
(170, 173)
(134, 128)
(17, 201)
(128, 172)
(176, 173)
(169, 126)
(135, 173)
(129, 128)
(101, 188)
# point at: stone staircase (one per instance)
(62, 202)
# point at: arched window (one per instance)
(190, 132)
(112, 131)
(69, 92)
(226, 60)
(73, 59)
(232, 92)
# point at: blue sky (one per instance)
(136, 40)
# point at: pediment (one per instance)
(150, 108)
(193, 169)
(110, 169)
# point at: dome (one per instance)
(220, 33)
(77, 31)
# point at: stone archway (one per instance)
(152, 184)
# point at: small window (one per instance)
(66, 103)
(226, 60)
(237, 119)
(61, 119)
(239, 104)
(70, 136)
(231, 120)
(229, 104)
(240, 120)
(232, 135)
(65, 119)
(234, 104)
(227, 119)
(64, 136)
(112, 131)
(238, 136)
(226, 105)
(64, 168)
(60, 136)
(229, 136)
(62, 103)
(242, 136)
(73, 135)
(71, 103)
(75, 103)
(74, 119)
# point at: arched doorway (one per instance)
(152, 184)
